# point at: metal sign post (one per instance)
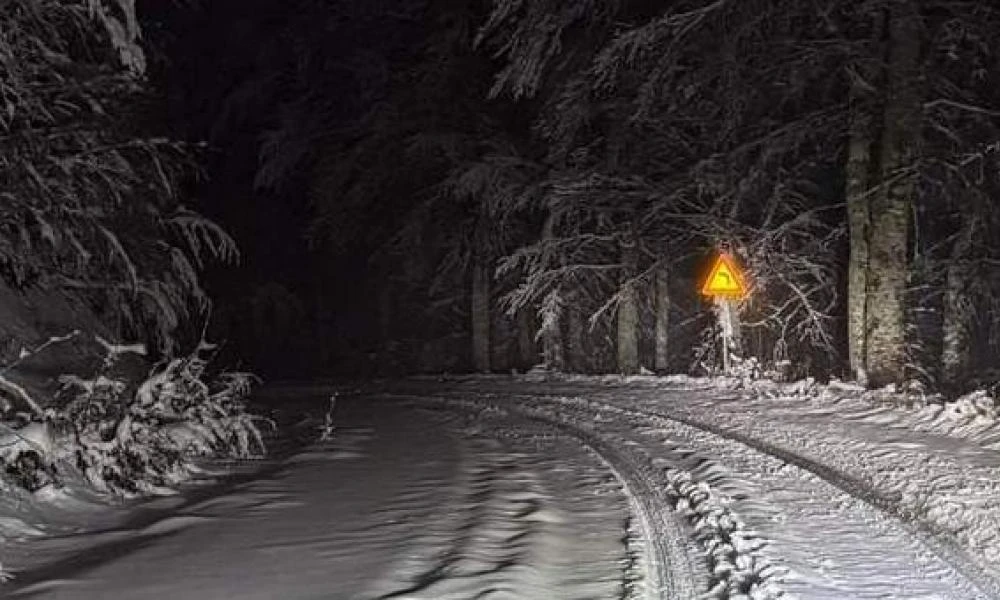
(725, 285)
(726, 308)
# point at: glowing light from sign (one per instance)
(725, 279)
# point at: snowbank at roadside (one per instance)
(974, 416)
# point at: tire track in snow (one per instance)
(888, 505)
(670, 573)
(562, 477)
(669, 570)
(486, 537)
(514, 524)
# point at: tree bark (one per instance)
(956, 325)
(576, 338)
(859, 172)
(527, 349)
(552, 336)
(481, 318)
(628, 314)
(662, 291)
(891, 205)
(501, 336)
(551, 318)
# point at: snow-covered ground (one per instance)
(401, 502)
(909, 495)
(570, 487)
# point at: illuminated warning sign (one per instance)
(725, 279)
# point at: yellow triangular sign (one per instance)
(724, 280)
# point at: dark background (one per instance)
(369, 157)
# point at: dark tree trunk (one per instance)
(576, 339)
(662, 341)
(385, 306)
(551, 314)
(628, 313)
(526, 347)
(956, 325)
(481, 318)
(501, 341)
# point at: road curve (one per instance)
(855, 487)
(581, 417)
(670, 570)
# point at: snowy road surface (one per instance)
(496, 489)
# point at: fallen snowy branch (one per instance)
(22, 394)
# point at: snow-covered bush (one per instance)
(135, 442)
(747, 368)
(24, 454)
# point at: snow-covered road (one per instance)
(493, 488)
(403, 502)
(769, 521)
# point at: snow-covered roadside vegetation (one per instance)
(99, 244)
(135, 444)
(105, 438)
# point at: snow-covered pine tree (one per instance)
(91, 206)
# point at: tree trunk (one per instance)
(324, 332)
(551, 334)
(527, 349)
(628, 314)
(550, 314)
(955, 353)
(859, 171)
(481, 318)
(576, 338)
(662, 291)
(891, 205)
(501, 346)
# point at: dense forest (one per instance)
(454, 185)
(105, 363)
(201, 196)
(493, 185)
